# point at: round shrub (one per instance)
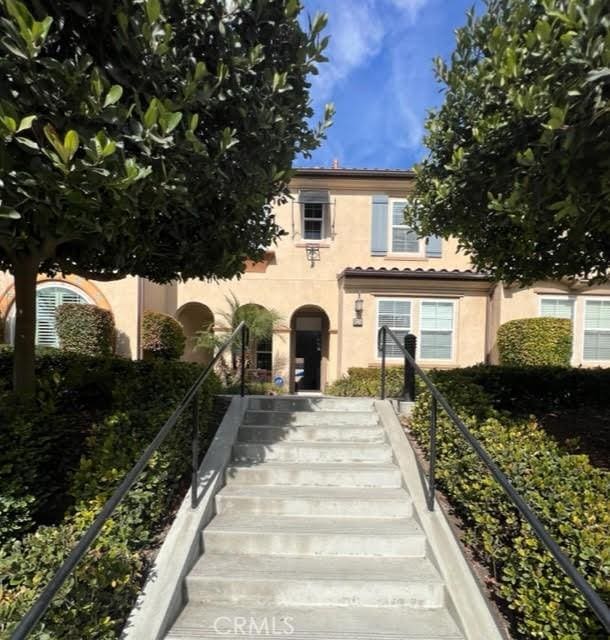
(536, 342)
(162, 336)
(85, 328)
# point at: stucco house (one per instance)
(346, 265)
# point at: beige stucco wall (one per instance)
(358, 343)
(512, 303)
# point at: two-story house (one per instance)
(346, 266)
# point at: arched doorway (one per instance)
(195, 317)
(309, 342)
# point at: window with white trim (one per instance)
(313, 221)
(436, 329)
(597, 330)
(264, 354)
(49, 296)
(557, 307)
(403, 239)
(396, 314)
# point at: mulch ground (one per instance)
(582, 430)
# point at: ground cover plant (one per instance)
(61, 455)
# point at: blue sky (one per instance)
(380, 77)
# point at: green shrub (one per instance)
(536, 342)
(68, 450)
(361, 381)
(571, 497)
(162, 336)
(538, 390)
(85, 328)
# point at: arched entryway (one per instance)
(309, 343)
(195, 317)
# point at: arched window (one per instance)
(49, 295)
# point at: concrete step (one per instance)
(312, 452)
(238, 533)
(299, 403)
(315, 501)
(360, 474)
(297, 581)
(235, 622)
(298, 418)
(320, 433)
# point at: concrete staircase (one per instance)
(315, 536)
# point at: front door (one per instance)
(309, 352)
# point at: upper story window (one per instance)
(402, 238)
(597, 330)
(313, 221)
(49, 296)
(315, 215)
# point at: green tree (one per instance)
(146, 138)
(518, 166)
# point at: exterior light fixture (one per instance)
(358, 309)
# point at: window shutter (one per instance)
(434, 247)
(46, 303)
(379, 225)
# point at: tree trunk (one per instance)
(25, 273)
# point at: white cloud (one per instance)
(411, 6)
(357, 32)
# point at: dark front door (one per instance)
(309, 348)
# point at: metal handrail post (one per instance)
(242, 384)
(409, 371)
(381, 337)
(432, 471)
(195, 452)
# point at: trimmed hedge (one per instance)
(571, 497)
(536, 342)
(85, 328)
(363, 381)
(538, 390)
(162, 336)
(61, 457)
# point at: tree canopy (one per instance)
(519, 152)
(148, 138)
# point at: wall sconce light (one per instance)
(358, 309)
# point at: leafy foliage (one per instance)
(162, 336)
(115, 407)
(536, 342)
(148, 138)
(85, 328)
(361, 381)
(571, 497)
(260, 322)
(518, 153)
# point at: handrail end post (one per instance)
(409, 371)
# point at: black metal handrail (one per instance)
(35, 613)
(598, 606)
